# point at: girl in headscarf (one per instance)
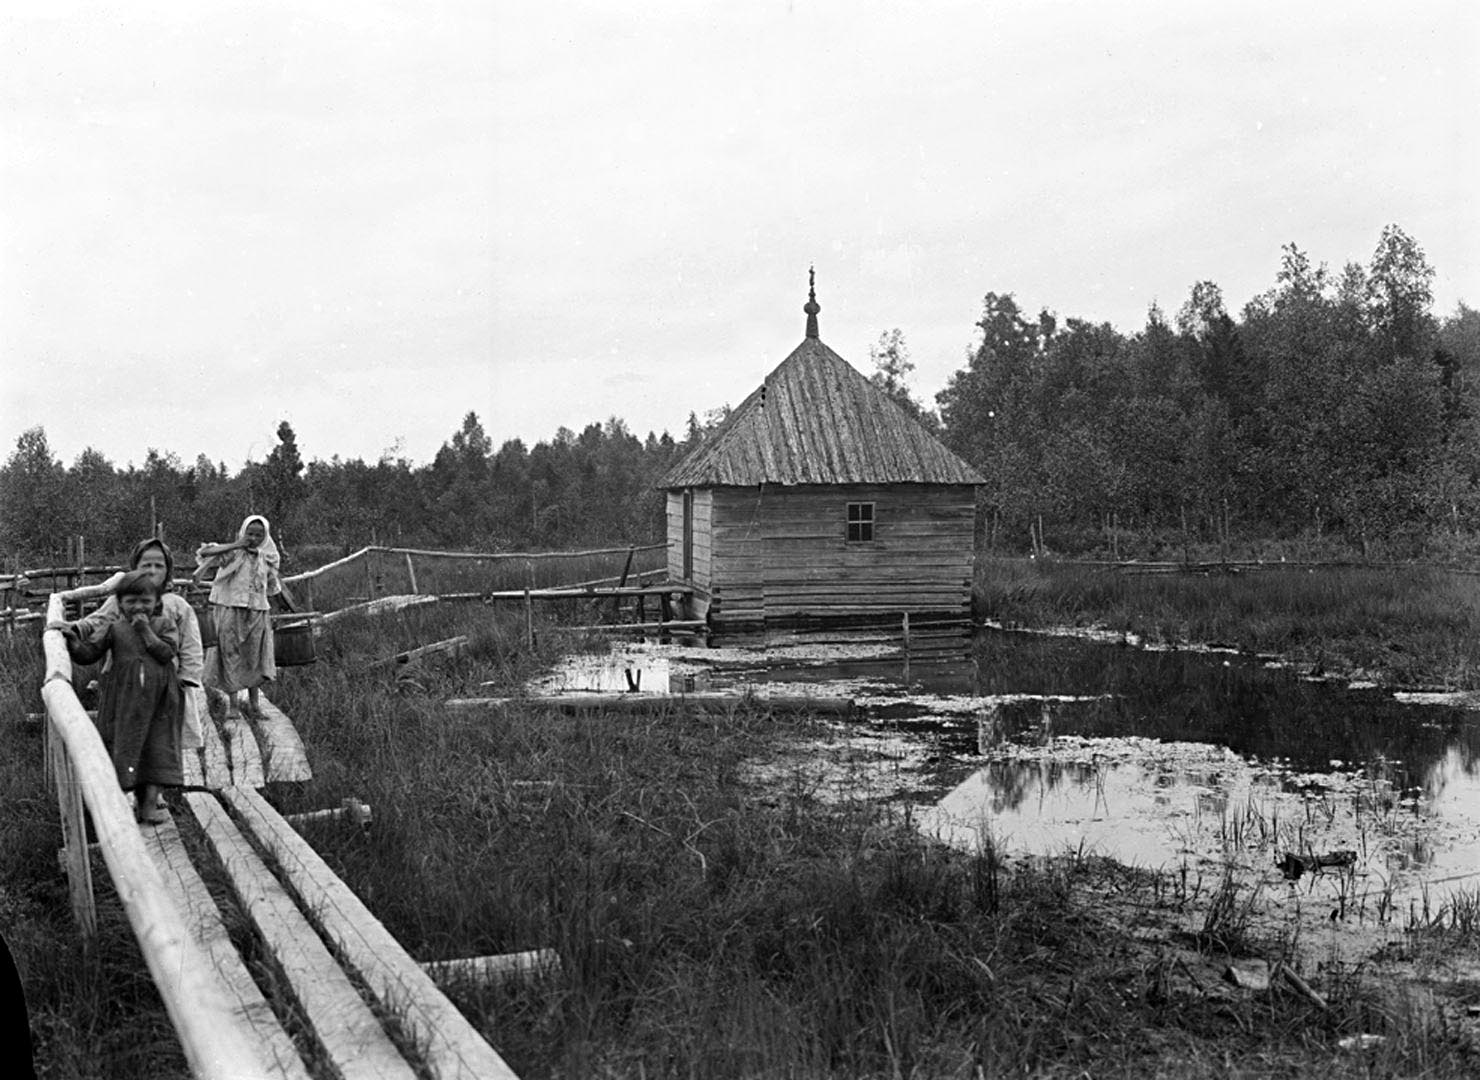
(140, 708)
(153, 555)
(246, 575)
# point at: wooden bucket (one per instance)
(292, 640)
(207, 627)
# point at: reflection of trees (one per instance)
(1010, 782)
(1459, 760)
(1256, 712)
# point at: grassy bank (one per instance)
(1408, 625)
(708, 925)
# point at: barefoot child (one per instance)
(246, 575)
(139, 714)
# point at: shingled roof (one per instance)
(816, 420)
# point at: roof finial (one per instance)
(812, 307)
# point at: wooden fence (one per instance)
(374, 572)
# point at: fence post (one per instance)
(74, 841)
(369, 574)
(411, 573)
(528, 619)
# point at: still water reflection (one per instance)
(1050, 745)
(1190, 758)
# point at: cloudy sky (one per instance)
(370, 218)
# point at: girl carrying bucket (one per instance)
(246, 575)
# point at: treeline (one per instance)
(1334, 408)
(594, 488)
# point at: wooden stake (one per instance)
(74, 843)
(626, 569)
(350, 807)
(1303, 988)
(532, 964)
(452, 645)
(528, 620)
(411, 573)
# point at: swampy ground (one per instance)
(755, 894)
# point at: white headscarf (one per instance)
(245, 577)
(268, 548)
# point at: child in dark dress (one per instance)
(141, 709)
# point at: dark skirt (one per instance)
(140, 717)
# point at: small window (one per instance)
(860, 523)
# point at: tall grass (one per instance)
(707, 926)
(1409, 624)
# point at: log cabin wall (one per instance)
(699, 545)
(782, 554)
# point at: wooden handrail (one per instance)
(214, 1042)
(308, 575)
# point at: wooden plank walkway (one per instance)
(349, 1033)
(452, 1046)
(279, 1056)
(242, 752)
(283, 756)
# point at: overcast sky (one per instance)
(370, 218)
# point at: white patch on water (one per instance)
(1459, 699)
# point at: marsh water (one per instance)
(1168, 760)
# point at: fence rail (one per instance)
(375, 572)
(369, 573)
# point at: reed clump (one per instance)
(1407, 624)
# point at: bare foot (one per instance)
(156, 816)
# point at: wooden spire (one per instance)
(812, 307)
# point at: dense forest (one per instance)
(1334, 409)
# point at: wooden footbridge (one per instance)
(345, 971)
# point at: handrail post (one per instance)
(74, 839)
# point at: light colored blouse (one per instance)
(244, 578)
(189, 660)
